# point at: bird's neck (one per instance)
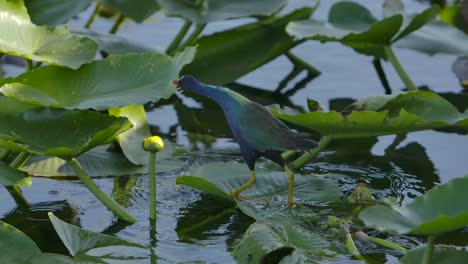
(226, 98)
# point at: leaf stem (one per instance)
(93, 16)
(29, 65)
(15, 191)
(152, 184)
(117, 24)
(179, 37)
(382, 76)
(193, 37)
(387, 244)
(399, 69)
(302, 64)
(429, 248)
(112, 205)
(20, 159)
(304, 159)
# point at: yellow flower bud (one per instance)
(153, 144)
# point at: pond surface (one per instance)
(416, 164)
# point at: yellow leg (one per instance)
(251, 181)
(290, 186)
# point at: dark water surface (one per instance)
(416, 164)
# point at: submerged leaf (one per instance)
(440, 210)
(205, 11)
(10, 176)
(117, 81)
(53, 45)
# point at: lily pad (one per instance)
(53, 45)
(245, 49)
(407, 112)
(55, 12)
(16, 246)
(221, 178)
(441, 254)
(117, 81)
(41, 131)
(215, 10)
(273, 242)
(138, 10)
(440, 210)
(10, 176)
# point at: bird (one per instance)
(257, 131)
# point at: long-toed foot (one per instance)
(236, 193)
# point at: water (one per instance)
(420, 161)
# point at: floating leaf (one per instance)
(137, 10)
(55, 12)
(53, 45)
(59, 132)
(270, 242)
(214, 10)
(117, 81)
(245, 49)
(441, 254)
(10, 176)
(440, 210)
(407, 112)
(221, 178)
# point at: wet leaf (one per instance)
(117, 81)
(245, 49)
(10, 176)
(41, 131)
(442, 254)
(137, 10)
(271, 242)
(55, 12)
(214, 10)
(220, 178)
(441, 209)
(53, 45)
(413, 111)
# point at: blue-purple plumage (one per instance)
(257, 131)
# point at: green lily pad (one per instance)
(442, 254)
(10, 176)
(55, 12)
(245, 49)
(270, 242)
(221, 178)
(10, 105)
(58, 132)
(215, 10)
(16, 246)
(440, 210)
(117, 81)
(407, 112)
(53, 45)
(138, 10)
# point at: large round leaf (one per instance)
(440, 210)
(221, 178)
(245, 49)
(137, 10)
(10, 176)
(214, 10)
(408, 112)
(59, 132)
(16, 246)
(55, 12)
(117, 81)
(53, 45)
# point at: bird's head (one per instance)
(186, 83)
